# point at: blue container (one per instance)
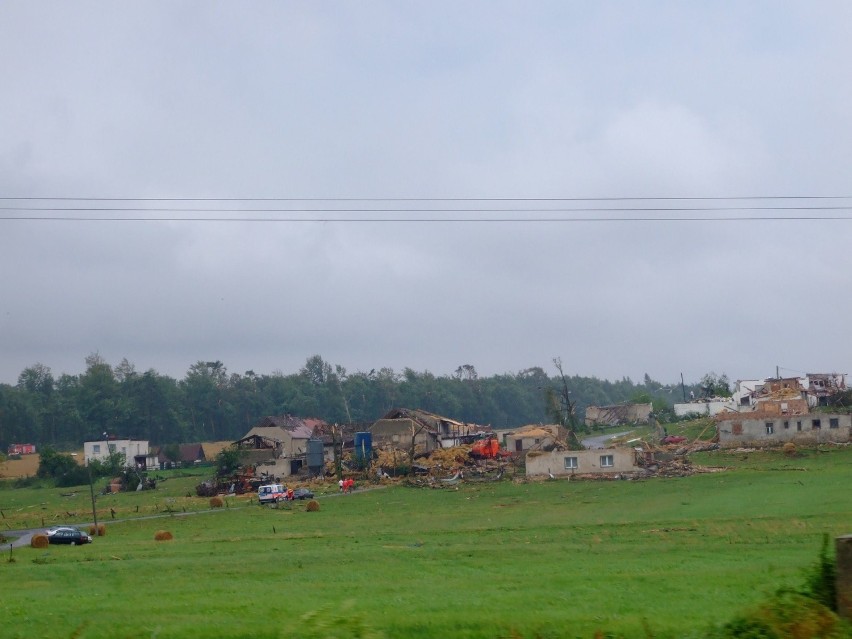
(316, 456)
(363, 447)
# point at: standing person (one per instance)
(341, 484)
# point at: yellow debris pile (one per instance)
(441, 458)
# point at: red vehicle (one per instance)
(488, 448)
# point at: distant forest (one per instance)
(211, 404)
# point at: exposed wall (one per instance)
(528, 443)
(397, 433)
(618, 414)
(587, 461)
(768, 429)
(534, 437)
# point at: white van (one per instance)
(271, 493)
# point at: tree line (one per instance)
(211, 404)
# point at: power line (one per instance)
(633, 209)
(427, 199)
(746, 210)
(422, 220)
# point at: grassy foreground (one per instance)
(662, 557)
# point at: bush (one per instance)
(26, 482)
(821, 583)
(39, 541)
(789, 449)
(163, 535)
(216, 502)
(806, 613)
(63, 469)
(100, 531)
(313, 506)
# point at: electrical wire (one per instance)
(438, 214)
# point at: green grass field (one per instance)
(660, 557)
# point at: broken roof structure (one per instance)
(821, 386)
(618, 414)
(537, 437)
(430, 431)
(281, 435)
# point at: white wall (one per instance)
(100, 450)
(704, 408)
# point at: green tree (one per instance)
(713, 385)
(62, 469)
(228, 460)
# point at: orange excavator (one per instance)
(487, 448)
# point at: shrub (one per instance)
(26, 482)
(216, 502)
(313, 506)
(789, 449)
(100, 531)
(786, 615)
(821, 583)
(163, 535)
(39, 541)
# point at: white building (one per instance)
(135, 452)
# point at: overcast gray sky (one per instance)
(439, 99)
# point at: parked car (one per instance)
(302, 493)
(69, 536)
(54, 529)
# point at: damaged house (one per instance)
(430, 431)
(618, 414)
(398, 427)
(535, 437)
(779, 410)
(277, 446)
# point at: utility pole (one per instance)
(683, 388)
(92, 493)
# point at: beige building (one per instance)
(574, 462)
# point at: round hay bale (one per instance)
(100, 531)
(789, 449)
(216, 502)
(163, 535)
(313, 506)
(39, 540)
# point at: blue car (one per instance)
(70, 536)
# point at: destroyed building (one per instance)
(535, 437)
(277, 445)
(780, 409)
(618, 414)
(766, 428)
(430, 431)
